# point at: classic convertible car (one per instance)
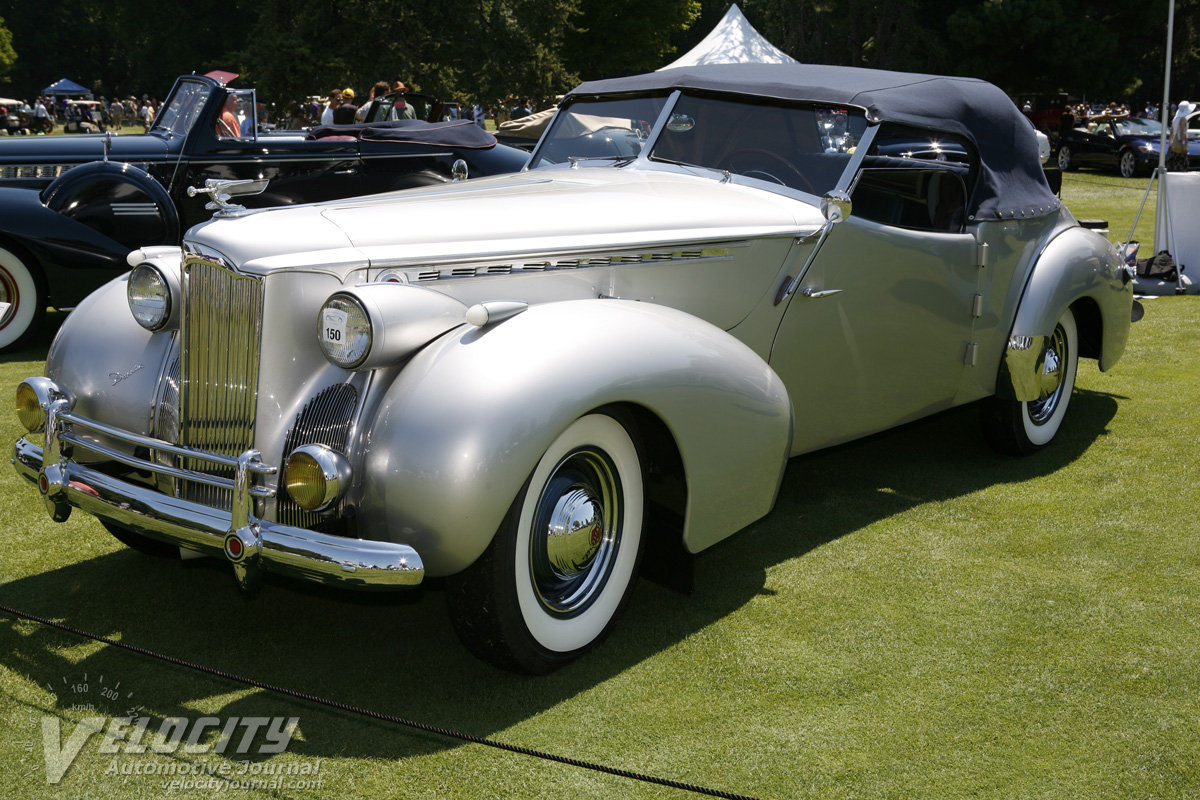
(72, 207)
(544, 384)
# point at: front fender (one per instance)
(1076, 264)
(110, 362)
(465, 422)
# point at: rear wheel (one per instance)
(561, 568)
(26, 306)
(1024, 427)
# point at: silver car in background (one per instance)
(541, 385)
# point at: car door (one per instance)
(1097, 148)
(879, 328)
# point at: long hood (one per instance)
(80, 148)
(522, 214)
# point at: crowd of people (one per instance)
(339, 107)
(113, 114)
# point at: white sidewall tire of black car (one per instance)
(560, 634)
(19, 287)
(1040, 428)
(1024, 427)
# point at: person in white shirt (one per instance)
(335, 100)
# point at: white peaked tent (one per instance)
(733, 41)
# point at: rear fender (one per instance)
(1076, 264)
(453, 438)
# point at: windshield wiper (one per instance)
(619, 160)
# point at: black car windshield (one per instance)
(180, 111)
(800, 146)
(1138, 127)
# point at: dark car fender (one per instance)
(79, 229)
(454, 437)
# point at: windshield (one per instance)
(801, 147)
(1138, 127)
(804, 147)
(180, 111)
(605, 129)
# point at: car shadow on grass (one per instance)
(397, 654)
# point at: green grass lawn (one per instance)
(918, 617)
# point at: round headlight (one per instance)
(149, 297)
(29, 409)
(316, 476)
(344, 331)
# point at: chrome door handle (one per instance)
(811, 292)
(350, 171)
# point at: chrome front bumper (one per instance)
(253, 546)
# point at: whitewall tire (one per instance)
(26, 306)
(560, 570)
(1024, 427)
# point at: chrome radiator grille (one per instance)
(221, 337)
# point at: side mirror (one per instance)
(836, 207)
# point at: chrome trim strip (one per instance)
(155, 444)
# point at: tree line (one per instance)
(482, 50)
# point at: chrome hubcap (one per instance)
(1051, 378)
(576, 533)
(8, 294)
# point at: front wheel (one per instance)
(1129, 164)
(24, 306)
(1024, 427)
(561, 568)
(1066, 159)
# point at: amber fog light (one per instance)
(29, 409)
(34, 396)
(316, 477)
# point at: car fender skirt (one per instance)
(1023, 362)
(466, 421)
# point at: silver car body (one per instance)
(740, 321)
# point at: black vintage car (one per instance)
(73, 207)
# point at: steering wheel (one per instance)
(752, 166)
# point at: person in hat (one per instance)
(1177, 150)
(344, 114)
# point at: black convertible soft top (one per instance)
(1011, 183)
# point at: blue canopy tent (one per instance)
(66, 87)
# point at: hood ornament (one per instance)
(221, 190)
